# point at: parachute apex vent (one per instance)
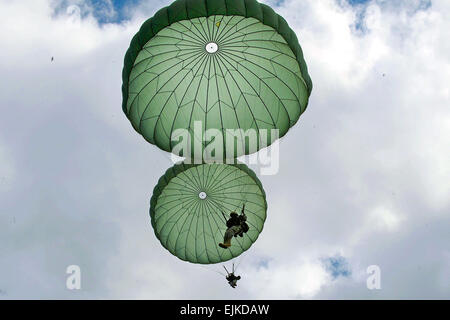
(212, 47)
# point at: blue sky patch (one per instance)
(119, 7)
(105, 11)
(337, 266)
(357, 2)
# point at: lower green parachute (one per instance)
(187, 204)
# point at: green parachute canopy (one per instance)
(187, 204)
(223, 64)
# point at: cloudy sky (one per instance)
(364, 177)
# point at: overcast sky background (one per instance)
(364, 177)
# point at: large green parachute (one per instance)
(223, 64)
(187, 204)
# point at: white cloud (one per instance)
(7, 169)
(385, 219)
(303, 279)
